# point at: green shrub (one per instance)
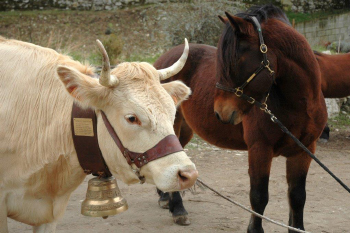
(114, 47)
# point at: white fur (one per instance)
(39, 168)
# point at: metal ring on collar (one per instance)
(263, 48)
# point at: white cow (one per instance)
(39, 168)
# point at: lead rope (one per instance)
(251, 211)
(274, 119)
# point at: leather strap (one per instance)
(168, 145)
(263, 47)
(84, 132)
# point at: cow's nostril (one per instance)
(187, 178)
(182, 177)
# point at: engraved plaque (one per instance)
(83, 127)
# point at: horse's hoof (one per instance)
(163, 204)
(322, 140)
(182, 220)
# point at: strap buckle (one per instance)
(239, 92)
(251, 100)
(267, 66)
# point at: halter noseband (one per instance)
(265, 63)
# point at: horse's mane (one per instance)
(265, 12)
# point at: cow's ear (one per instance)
(178, 91)
(86, 90)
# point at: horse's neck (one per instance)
(297, 73)
(298, 79)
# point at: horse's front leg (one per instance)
(173, 201)
(163, 200)
(260, 159)
(297, 168)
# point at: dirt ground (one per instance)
(327, 207)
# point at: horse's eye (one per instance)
(132, 119)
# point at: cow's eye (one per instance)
(132, 119)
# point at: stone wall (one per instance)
(295, 5)
(75, 4)
(329, 29)
(316, 5)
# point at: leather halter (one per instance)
(265, 63)
(168, 145)
(84, 131)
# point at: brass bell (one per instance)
(103, 198)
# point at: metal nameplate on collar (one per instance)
(83, 127)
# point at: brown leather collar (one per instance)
(84, 131)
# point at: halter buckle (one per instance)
(126, 153)
(263, 106)
(239, 92)
(267, 66)
(251, 100)
(137, 172)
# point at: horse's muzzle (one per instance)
(234, 118)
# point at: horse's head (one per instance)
(244, 65)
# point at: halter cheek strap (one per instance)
(263, 47)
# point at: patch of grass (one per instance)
(342, 121)
(114, 46)
(95, 58)
(136, 57)
(303, 17)
(318, 48)
(195, 142)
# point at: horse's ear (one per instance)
(237, 23)
(223, 19)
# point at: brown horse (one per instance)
(197, 113)
(245, 66)
(335, 74)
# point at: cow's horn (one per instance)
(174, 69)
(106, 79)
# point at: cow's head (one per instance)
(142, 112)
